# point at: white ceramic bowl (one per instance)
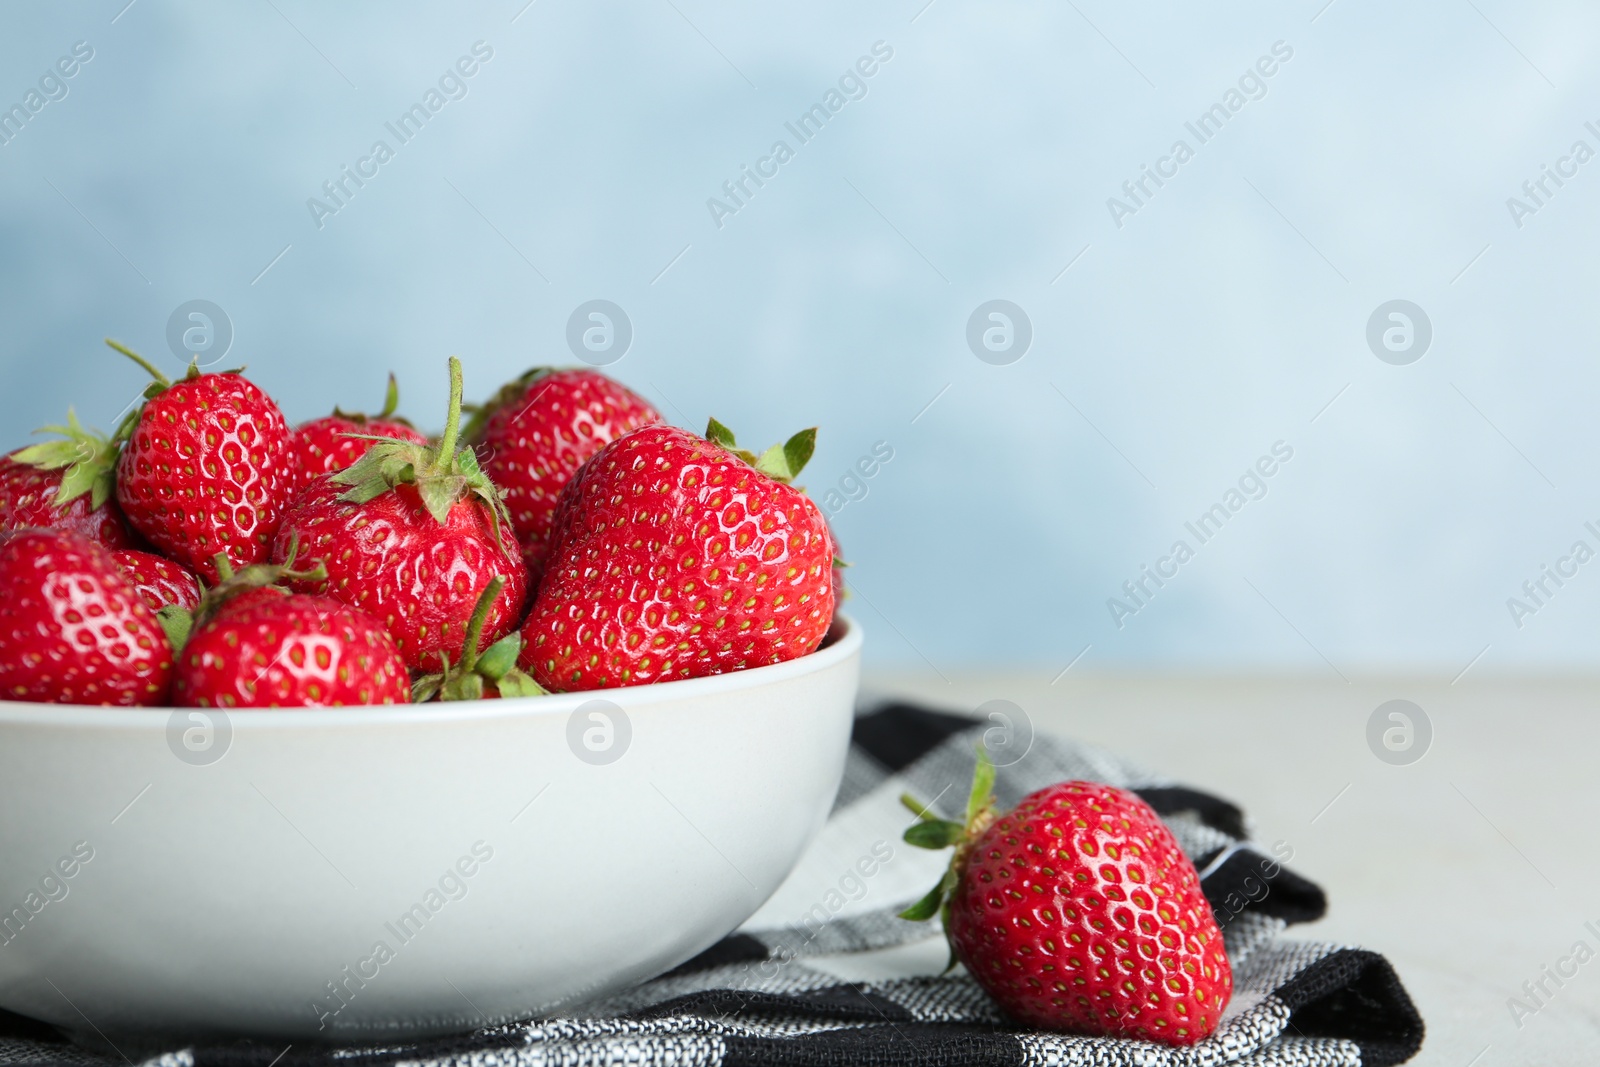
(368, 872)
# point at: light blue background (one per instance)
(1222, 317)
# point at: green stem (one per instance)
(391, 398)
(452, 422)
(480, 616)
(137, 358)
(285, 571)
(917, 807)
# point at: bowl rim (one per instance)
(845, 646)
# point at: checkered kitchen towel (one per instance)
(772, 994)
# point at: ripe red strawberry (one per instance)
(206, 468)
(325, 445)
(536, 433)
(264, 647)
(158, 580)
(488, 675)
(1077, 911)
(840, 590)
(64, 485)
(75, 631)
(412, 534)
(679, 557)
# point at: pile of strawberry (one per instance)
(207, 553)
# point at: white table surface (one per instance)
(1470, 869)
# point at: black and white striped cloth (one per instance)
(819, 986)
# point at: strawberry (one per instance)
(479, 676)
(254, 645)
(840, 591)
(1077, 911)
(412, 534)
(334, 442)
(65, 484)
(75, 631)
(206, 468)
(536, 433)
(677, 557)
(158, 580)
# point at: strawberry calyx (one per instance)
(495, 665)
(442, 473)
(932, 832)
(178, 622)
(509, 393)
(391, 404)
(88, 458)
(781, 463)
